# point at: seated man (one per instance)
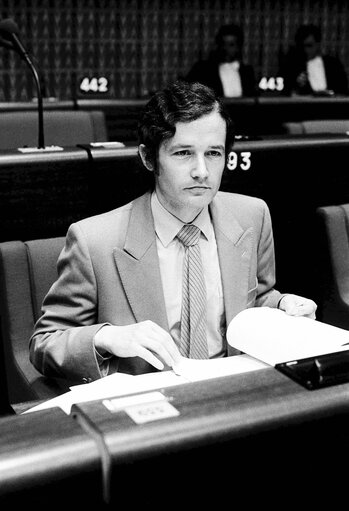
(224, 71)
(118, 302)
(306, 70)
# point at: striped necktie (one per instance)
(193, 318)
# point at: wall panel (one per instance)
(140, 45)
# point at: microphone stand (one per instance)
(8, 32)
(24, 54)
(41, 142)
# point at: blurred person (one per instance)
(120, 302)
(307, 70)
(224, 71)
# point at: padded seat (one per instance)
(61, 127)
(334, 224)
(27, 270)
(317, 126)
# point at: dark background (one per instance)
(140, 45)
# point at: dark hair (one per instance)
(179, 102)
(230, 29)
(305, 31)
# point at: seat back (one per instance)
(61, 127)
(317, 126)
(27, 270)
(334, 221)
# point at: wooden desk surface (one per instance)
(45, 454)
(249, 436)
(231, 407)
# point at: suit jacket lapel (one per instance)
(139, 269)
(138, 266)
(234, 247)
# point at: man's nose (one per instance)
(200, 169)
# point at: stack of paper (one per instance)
(274, 337)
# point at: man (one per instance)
(307, 70)
(118, 302)
(224, 71)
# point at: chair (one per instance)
(317, 126)
(27, 270)
(61, 127)
(334, 225)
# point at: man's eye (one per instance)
(184, 152)
(215, 154)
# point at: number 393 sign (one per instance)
(239, 160)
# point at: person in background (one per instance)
(224, 71)
(118, 302)
(307, 70)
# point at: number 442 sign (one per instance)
(95, 85)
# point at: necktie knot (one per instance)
(189, 235)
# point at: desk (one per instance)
(262, 115)
(246, 436)
(47, 459)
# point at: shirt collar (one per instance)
(235, 64)
(167, 226)
(315, 60)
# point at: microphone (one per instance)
(10, 39)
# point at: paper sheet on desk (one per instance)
(119, 384)
(274, 337)
(114, 385)
(196, 370)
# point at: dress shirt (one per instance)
(230, 77)
(171, 256)
(316, 74)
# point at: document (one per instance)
(274, 337)
(120, 384)
(196, 370)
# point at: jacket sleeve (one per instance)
(266, 294)
(62, 342)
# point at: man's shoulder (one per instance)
(106, 218)
(237, 199)
(331, 60)
(112, 221)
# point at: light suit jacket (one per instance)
(109, 274)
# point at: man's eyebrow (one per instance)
(188, 146)
(220, 146)
(181, 146)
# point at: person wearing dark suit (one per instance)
(224, 71)
(117, 302)
(308, 71)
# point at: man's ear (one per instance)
(143, 153)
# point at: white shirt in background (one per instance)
(230, 78)
(316, 74)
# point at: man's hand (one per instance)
(145, 339)
(298, 306)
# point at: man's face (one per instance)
(311, 47)
(229, 48)
(190, 166)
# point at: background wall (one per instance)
(140, 45)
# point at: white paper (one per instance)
(120, 384)
(117, 384)
(274, 337)
(195, 370)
